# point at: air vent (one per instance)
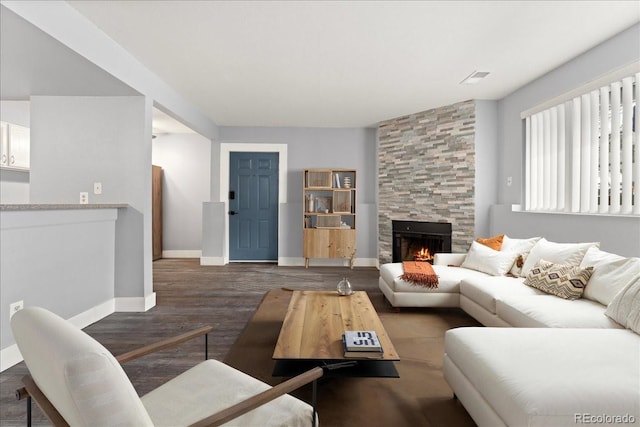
(475, 77)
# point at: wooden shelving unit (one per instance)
(329, 214)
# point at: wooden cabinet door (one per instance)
(329, 243)
(156, 209)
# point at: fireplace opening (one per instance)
(419, 240)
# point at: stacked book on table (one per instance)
(362, 344)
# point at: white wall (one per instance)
(185, 161)
(77, 141)
(616, 234)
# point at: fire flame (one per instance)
(423, 254)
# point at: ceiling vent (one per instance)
(475, 77)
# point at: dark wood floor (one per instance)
(189, 296)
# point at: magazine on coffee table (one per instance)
(361, 341)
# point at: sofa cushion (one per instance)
(553, 312)
(561, 253)
(562, 280)
(485, 291)
(448, 278)
(190, 397)
(625, 307)
(546, 377)
(494, 242)
(611, 273)
(490, 261)
(522, 247)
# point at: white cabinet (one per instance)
(15, 146)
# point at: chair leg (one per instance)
(29, 411)
(206, 346)
(314, 398)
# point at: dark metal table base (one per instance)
(338, 368)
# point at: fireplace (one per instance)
(419, 240)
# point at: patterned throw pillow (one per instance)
(562, 280)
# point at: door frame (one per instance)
(226, 148)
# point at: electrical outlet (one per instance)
(509, 181)
(84, 198)
(97, 188)
(15, 307)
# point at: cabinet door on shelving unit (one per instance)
(4, 141)
(19, 147)
(342, 243)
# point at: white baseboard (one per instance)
(9, 356)
(135, 304)
(94, 314)
(181, 254)
(212, 260)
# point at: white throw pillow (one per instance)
(487, 260)
(625, 307)
(522, 247)
(611, 273)
(559, 253)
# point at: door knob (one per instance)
(232, 212)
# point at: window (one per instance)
(582, 152)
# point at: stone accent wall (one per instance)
(426, 172)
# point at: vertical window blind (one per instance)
(582, 155)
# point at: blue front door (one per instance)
(253, 206)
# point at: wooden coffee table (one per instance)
(312, 329)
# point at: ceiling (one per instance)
(349, 63)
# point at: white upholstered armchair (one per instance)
(77, 381)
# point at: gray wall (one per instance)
(186, 165)
(77, 141)
(62, 260)
(486, 144)
(606, 57)
(353, 148)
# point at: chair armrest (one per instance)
(32, 389)
(449, 259)
(259, 399)
(161, 345)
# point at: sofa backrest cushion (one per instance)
(559, 253)
(625, 307)
(611, 273)
(483, 258)
(80, 377)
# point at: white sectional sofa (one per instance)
(542, 360)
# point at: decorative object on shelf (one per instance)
(347, 182)
(310, 203)
(344, 287)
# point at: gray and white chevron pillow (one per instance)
(562, 280)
